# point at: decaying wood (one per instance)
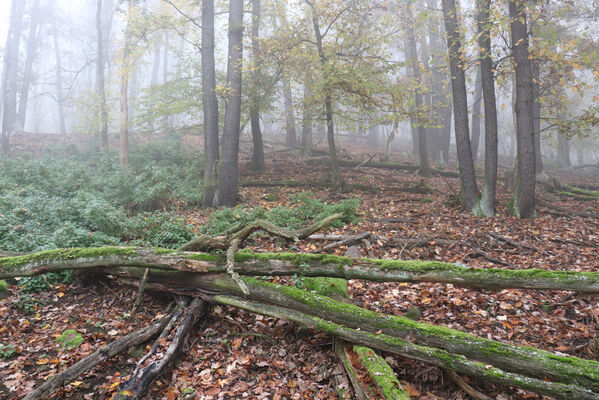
(89, 362)
(350, 241)
(564, 212)
(341, 352)
(140, 292)
(475, 394)
(143, 376)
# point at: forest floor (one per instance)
(238, 355)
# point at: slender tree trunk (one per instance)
(125, 66)
(290, 132)
(59, 100)
(210, 104)
(536, 117)
(228, 180)
(100, 85)
(328, 104)
(10, 74)
(32, 41)
(255, 96)
(523, 200)
(437, 83)
(487, 202)
(478, 98)
(307, 118)
(156, 63)
(412, 55)
(165, 54)
(460, 105)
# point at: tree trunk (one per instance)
(10, 74)
(478, 98)
(307, 118)
(438, 96)
(486, 204)
(165, 54)
(536, 117)
(228, 180)
(523, 198)
(412, 56)
(255, 95)
(469, 189)
(125, 67)
(210, 104)
(328, 105)
(32, 41)
(100, 85)
(563, 144)
(59, 99)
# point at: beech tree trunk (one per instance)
(10, 74)
(328, 104)
(32, 42)
(563, 144)
(210, 104)
(469, 189)
(124, 99)
(412, 56)
(486, 204)
(255, 96)
(523, 198)
(478, 99)
(100, 85)
(59, 99)
(229, 174)
(307, 118)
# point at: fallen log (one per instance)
(289, 264)
(440, 358)
(143, 376)
(103, 353)
(381, 373)
(498, 362)
(517, 359)
(397, 167)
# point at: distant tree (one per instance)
(59, 96)
(32, 45)
(210, 104)
(100, 84)
(229, 174)
(257, 163)
(523, 199)
(10, 73)
(475, 129)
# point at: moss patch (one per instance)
(332, 287)
(70, 339)
(381, 373)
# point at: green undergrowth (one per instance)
(305, 209)
(83, 199)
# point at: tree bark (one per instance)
(523, 198)
(229, 174)
(412, 56)
(328, 104)
(124, 99)
(59, 99)
(486, 204)
(563, 144)
(100, 85)
(32, 42)
(478, 98)
(255, 96)
(469, 189)
(210, 104)
(10, 74)
(307, 118)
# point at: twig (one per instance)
(475, 394)
(140, 292)
(345, 242)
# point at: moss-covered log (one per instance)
(518, 359)
(288, 264)
(396, 167)
(438, 357)
(381, 373)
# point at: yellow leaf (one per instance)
(60, 294)
(76, 383)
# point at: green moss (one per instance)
(70, 339)
(8, 263)
(208, 257)
(381, 373)
(3, 286)
(426, 200)
(332, 287)
(161, 251)
(295, 258)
